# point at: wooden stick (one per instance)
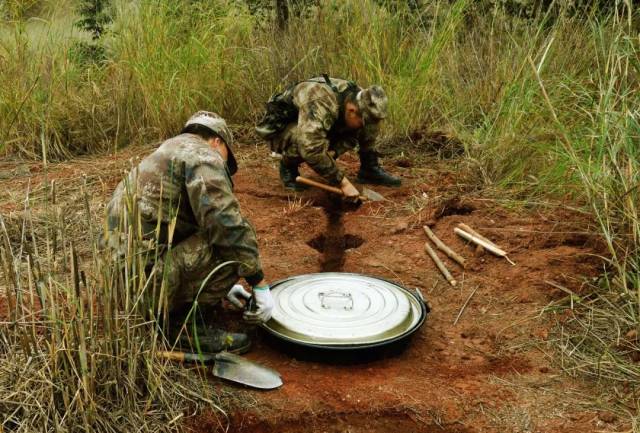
(439, 264)
(487, 241)
(489, 246)
(464, 306)
(441, 246)
(468, 229)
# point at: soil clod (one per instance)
(454, 206)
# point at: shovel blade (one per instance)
(240, 370)
(372, 195)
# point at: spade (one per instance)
(231, 367)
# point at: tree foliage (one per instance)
(95, 17)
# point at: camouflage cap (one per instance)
(372, 103)
(218, 125)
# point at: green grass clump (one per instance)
(600, 337)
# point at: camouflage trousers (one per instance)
(288, 142)
(184, 269)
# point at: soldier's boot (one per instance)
(209, 338)
(288, 173)
(372, 173)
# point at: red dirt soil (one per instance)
(492, 371)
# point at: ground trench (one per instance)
(334, 241)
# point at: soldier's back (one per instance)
(160, 184)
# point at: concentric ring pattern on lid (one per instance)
(337, 309)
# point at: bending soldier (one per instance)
(189, 178)
(317, 120)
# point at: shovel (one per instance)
(366, 195)
(231, 367)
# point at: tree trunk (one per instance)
(282, 13)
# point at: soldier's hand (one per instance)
(264, 304)
(350, 192)
(238, 296)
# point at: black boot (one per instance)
(209, 339)
(206, 337)
(371, 172)
(288, 174)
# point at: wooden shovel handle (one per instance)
(186, 356)
(173, 356)
(326, 187)
(320, 185)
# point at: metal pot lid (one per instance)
(342, 309)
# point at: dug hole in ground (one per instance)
(484, 360)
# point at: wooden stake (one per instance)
(468, 229)
(476, 240)
(483, 242)
(441, 246)
(439, 264)
(487, 245)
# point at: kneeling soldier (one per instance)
(188, 178)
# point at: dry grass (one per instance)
(77, 348)
(295, 205)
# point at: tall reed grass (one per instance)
(453, 67)
(77, 342)
(600, 338)
(167, 59)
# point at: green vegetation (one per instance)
(94, 17)
(546, 105)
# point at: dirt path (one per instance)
(489, 372)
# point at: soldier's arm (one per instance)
(318, 110)
(218, 213)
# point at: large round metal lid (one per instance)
(342, 309)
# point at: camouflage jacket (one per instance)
(320, 128)
(186, 179)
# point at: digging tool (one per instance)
(231, 367)
(366, 195)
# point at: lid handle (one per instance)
(336, 300)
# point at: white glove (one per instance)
(264, 304)
(238, 296)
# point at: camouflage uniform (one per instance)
(319, 131)
(186, 179)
